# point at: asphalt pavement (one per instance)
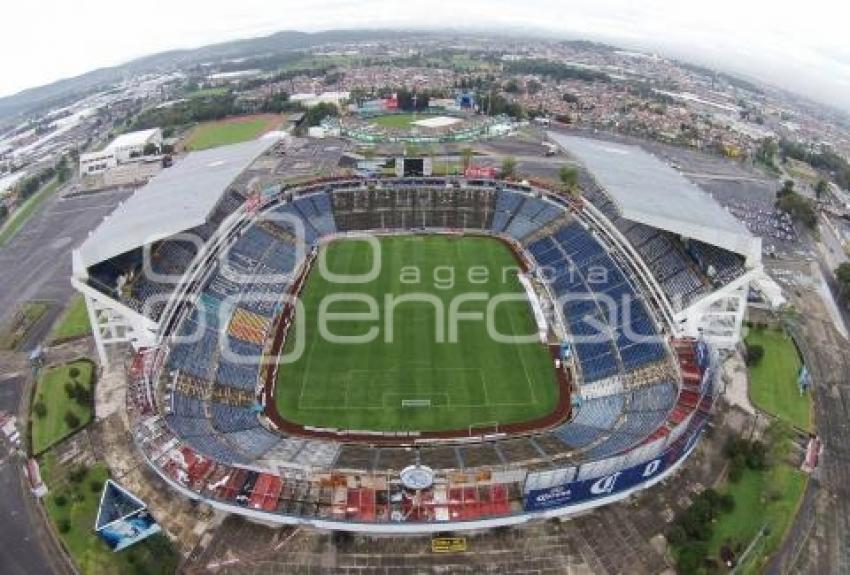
(36, 264)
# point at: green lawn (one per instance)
(52, 428)
(773, 382)
(208, 92)
(17, 220)
(474, 380)
(74, 322)
(397, 121)
(72, 507)
(761, 498)
(229, 131)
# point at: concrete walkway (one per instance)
(737, 385)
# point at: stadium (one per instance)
(425, 127)
(416, 354)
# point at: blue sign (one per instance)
(577, 492)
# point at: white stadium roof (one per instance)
(177, 199)
(648, 191)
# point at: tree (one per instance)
(533, 86)
(511, 86)
(786, 190)
(64, 525)
(508, 167)
(842, 276)
(821, 188)
(40, 409)
(755, 353)
(676, 535)
(800, 208)
(569, 98)
(63, 172)
(71, 420)
(70, 391)
(569, 179)
(466, 155)
(766, 152)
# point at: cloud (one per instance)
(800, 47)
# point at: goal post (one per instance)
(416, 403)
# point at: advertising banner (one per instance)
(576, 492)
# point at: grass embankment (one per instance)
(72, 507)
(53, 423)
(74, 322)
(23, 213)
(16, 329)
(773, 380)
(755, 507)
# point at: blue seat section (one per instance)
(600, 412)
(253, 243)
(307, 211)
(199, 434)
(221, 287)
(541, 246)
(280, 257)
(639, 354)
(657, 397)
(182, 404)
(290, 213)
(261, 296)
(599, 367)
(229, 418)
(500, 220)
(194, 358)
(253, 442)
(507, 203)
(550, 258)
(614, 444)
(532, 215)
(594, 419)
(521, 227)
(577, 435)
(208, 311)
(323, 219)
(241, 370)
(547, 214)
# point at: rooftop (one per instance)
(648, 191)
(139, 138)
(177, 199)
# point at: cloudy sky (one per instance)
(802, 46)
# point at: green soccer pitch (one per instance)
(411, 381)
(396, 120)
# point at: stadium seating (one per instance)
(229, 418)
(216, 417)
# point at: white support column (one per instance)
(95, 325)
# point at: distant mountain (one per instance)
(70, 89)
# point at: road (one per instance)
(819, 540)
(36, 264)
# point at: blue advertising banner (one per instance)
(586, 490)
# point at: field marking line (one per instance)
(306, 372)
(522, 362)
(484, 386)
